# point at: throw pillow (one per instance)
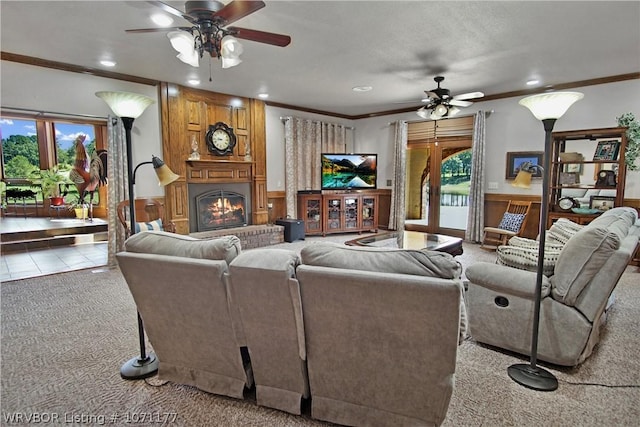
(511, 222)
(527, 258)
(148, 226)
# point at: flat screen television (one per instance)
(349, 171)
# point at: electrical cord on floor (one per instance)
(602, 385)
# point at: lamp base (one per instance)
(532, 377)
(137, 368)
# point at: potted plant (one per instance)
(81, 209)
(50, 181)
(629, 121)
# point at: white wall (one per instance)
(42, 89)
(512, 127)
(509, 128)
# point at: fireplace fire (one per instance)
(220, 209)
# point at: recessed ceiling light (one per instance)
(362, 88)
(533, 82)
(193, 82)
(162, 20)
(108, 63)
(263, 95)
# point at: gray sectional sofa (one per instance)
(369, 335)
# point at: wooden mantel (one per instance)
(187, 113)
(218, 172)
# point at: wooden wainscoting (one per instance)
(496, 204)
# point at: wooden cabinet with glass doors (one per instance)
(338, 212)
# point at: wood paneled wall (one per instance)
(187, 113)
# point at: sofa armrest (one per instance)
(500, 278)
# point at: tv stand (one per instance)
(326, 212)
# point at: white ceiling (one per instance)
(395, 46)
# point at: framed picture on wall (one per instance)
(515, 160)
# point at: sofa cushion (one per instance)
(511, 221)
(384, 260)
(164, 243)
(388, 260)
(582, 257)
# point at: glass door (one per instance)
(438, 202)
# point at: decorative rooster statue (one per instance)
(88, 174)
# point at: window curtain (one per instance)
(304, 141)
(117, 188)
(475, 219)
(397, 212)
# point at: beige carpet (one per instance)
(64, 338)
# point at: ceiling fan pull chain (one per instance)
(210, 79)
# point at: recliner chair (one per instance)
(501, 299)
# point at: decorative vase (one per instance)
(82, 212)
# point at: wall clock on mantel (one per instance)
(220, 139)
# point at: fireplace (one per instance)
(220, 209)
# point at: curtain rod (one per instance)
(284, 119)
(42, 113)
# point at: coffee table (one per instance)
(412, 240)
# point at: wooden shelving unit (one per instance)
(585, 142)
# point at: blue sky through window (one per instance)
(66, 133)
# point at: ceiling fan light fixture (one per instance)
(453, 111)
(190, 58)
(440, 110)
(423, 112)
(181, 41)
(230, 51)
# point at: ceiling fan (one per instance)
(442, 104)
(209, 32)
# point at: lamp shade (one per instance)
(125, 104)
(181, 41)
(440, 110)
(190, 58)
(523, 179)
(423, 112)
(230, 51)
(165, 175)
(550, 105)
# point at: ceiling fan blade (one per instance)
(460, 103)
(432, 94)
(173, 11)
(261, 36)
(470, 95)
(157, 30)
(238, 9)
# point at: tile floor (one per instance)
(40, 262)
(84, 253)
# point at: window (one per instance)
(20, 154)
(32, 143)
(66, 134)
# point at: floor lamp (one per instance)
(129, 106)
(547, 107)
